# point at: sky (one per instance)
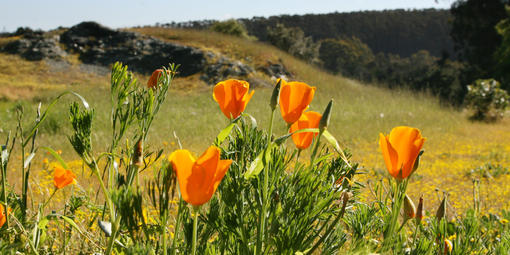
(50, 14)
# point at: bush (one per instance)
(293, 41)
(487, 100)
(230, 27)
(349, 56)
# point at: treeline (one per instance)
(402, 32)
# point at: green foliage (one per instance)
(348, 56)
(487, 100)
(293, 41)
(230, 27)
(473, 31)
(401, 32)
(304, 200)
(81, 122)
(502, 55)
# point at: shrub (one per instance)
(293, 41)
(230, 27)
(487, 100)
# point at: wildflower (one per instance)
(400, 150)
(503, 221)
(198, 179)
(448, 246)
(409, 209)
(153, 80)
(307, 120)
(63, 177)
(294, 99)
(232, 96)
(3, 215)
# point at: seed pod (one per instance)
(441, 211)
(275, 97)
(420, 213)
(409, 209)
(323, 124)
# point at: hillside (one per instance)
(454, 145)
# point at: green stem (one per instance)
(111, 241)
(177, 224)
(195, 230)
(400, 192)
(47, 201)
(4, 193)
(315, 149)
(416, 232)
(163, 234)
(262, 215)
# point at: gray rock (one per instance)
(100, 45)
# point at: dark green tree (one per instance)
(348, 56)
(502, 56)
(475, 36)
(293, 41)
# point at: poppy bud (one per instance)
(138, 153)
(323, 124)
(409, 209)
(275, 97)
(420, 213)
(441, 211)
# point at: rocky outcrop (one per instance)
(99, 46)
(35, 46)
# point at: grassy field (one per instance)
(454, 145)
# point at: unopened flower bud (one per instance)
(409, 209)
(420, 213)
(275, 97)
(323, 124)
(138, 154)
(441, 211)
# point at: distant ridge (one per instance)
(402, 32)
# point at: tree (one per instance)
(502, 56)
(293, 41)
(230, 27)
(474, 34)
(349, 56)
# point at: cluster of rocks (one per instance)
(34, 45)
(101, 46)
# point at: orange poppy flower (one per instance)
(198, 179)
(400, 149)
(153, 80)
(232, 96)
(294, 99)
(307, 120)
(63, 177)
(3, 216)
(448, 246)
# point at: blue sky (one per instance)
(49, 14)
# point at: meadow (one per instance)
(466, 160)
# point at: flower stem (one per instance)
(177, 224)
(262, 215)
(195, 230)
